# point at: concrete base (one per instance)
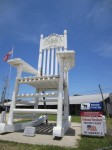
(2, 127)
(60, 131)
(6, 128)
(3, 117)
(20, 126)
(71, 138)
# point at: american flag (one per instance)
(8, 55)
(91, 128)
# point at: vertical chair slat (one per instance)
(56, 63)
(52, 61)
(48, 62)
(44, 62)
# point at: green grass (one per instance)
(91, 143)
(51, 118)
(75, 118)
(86, 143)
(5, 145)
(23, 120)
(109, 122)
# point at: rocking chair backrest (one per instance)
(47, 63)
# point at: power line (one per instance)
(108, 89)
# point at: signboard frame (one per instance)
(92, 124)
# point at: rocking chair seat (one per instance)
(43, 82)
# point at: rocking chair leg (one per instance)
(58, 131)
(16, 88)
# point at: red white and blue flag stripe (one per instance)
(8, 55)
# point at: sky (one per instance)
(89, 27)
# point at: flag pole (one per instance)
(10, 69)
(9, 76)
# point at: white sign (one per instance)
(29, 131)
(91, 106)
(92, 126)
(85, 106)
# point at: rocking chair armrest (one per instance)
(69, 58)
(16, 62)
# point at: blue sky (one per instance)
(89, 26)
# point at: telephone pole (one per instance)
(103, 100)
(4, 90)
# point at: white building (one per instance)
(75, 102)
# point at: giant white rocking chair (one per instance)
(51, 77)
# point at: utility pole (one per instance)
(4, 90)
(3, 96)
(103, 100)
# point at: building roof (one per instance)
(87, 98)
(73, 100)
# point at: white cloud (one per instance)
(104, 50)
(100, 13)
(29, 38)
(17, 20)
(9, 12)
